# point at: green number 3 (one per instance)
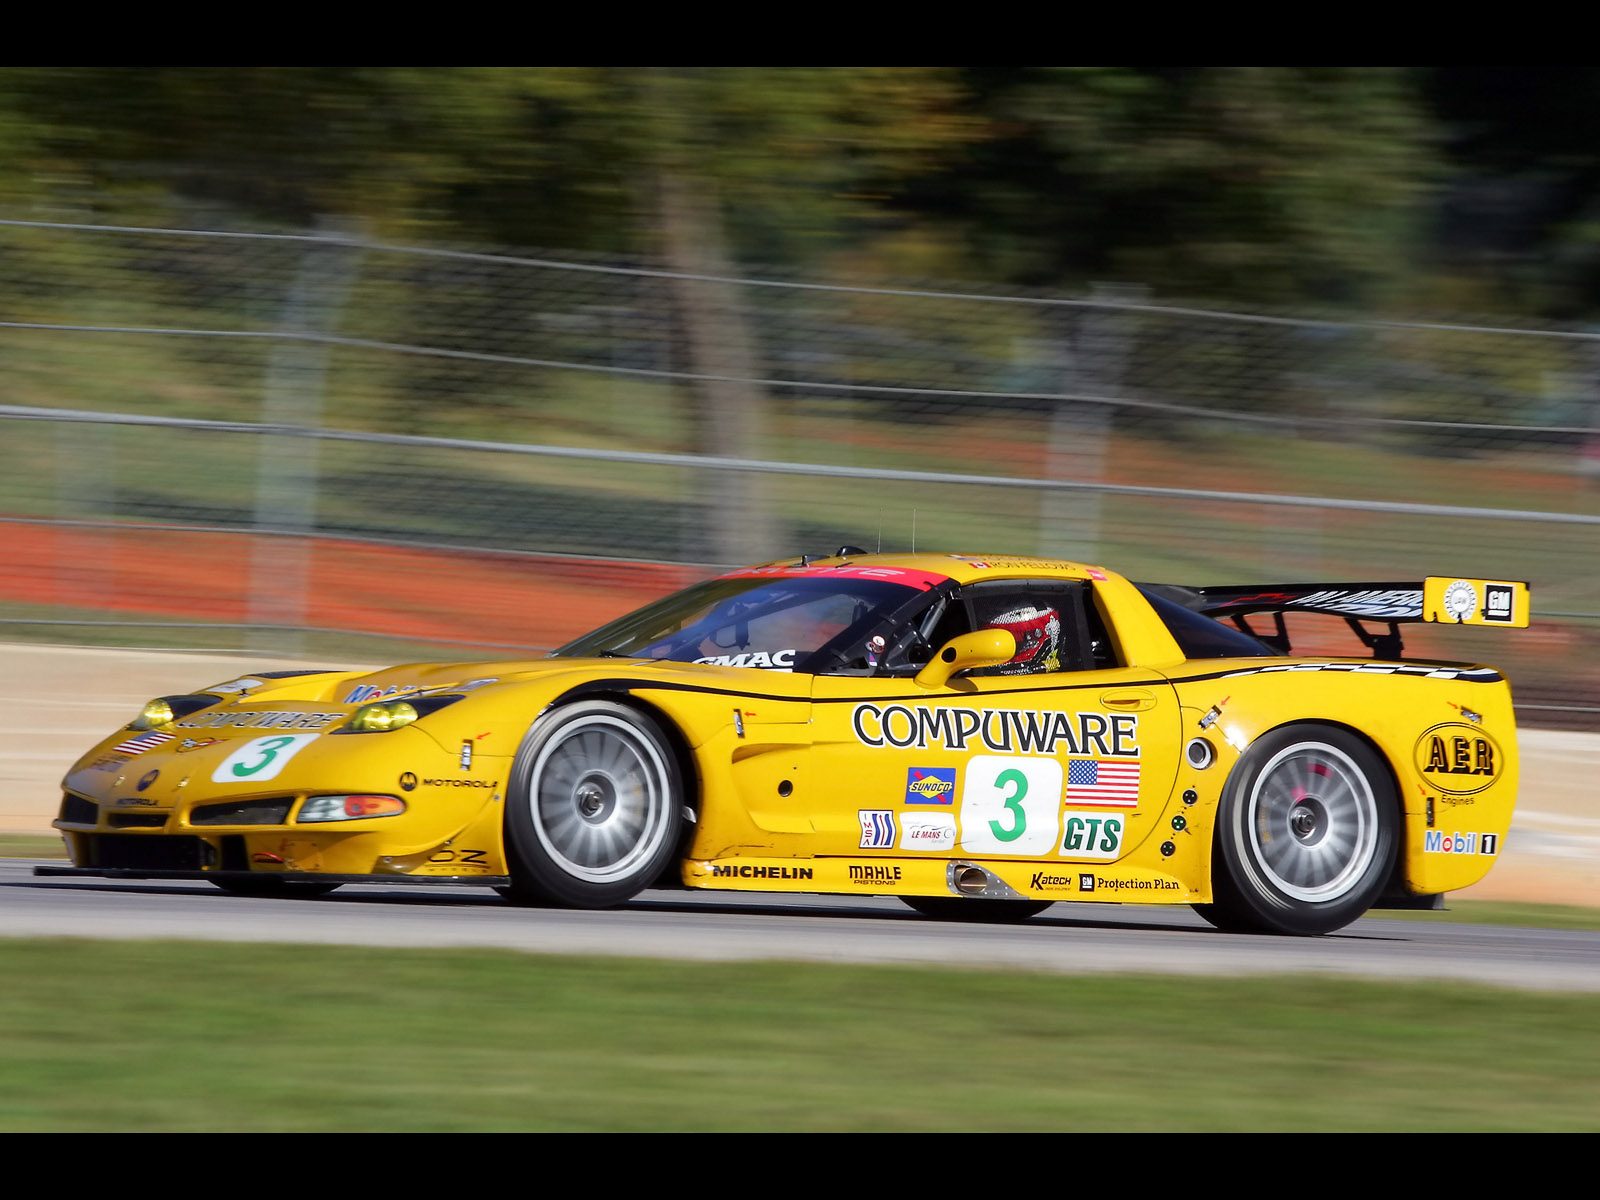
(1013, 804)
(269, 751)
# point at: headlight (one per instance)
(164, 710)
(383, 715)
(350, 808)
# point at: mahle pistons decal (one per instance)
(999, 730)
(1457, 758)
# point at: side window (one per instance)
(1046, 617)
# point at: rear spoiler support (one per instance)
(1437, 598)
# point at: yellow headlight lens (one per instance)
(154, 715)
(382, 717)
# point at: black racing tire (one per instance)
(267, 885)
(954, 908)
(1307, 832)
(594, 809)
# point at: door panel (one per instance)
(1066, 766)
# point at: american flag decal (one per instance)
(145, 741)
(1102, 783)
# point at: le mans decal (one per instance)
(1458, 759)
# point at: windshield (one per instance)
(751, 620)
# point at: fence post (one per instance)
(1093, 356)
(286, 466)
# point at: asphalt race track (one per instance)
(1071, 938)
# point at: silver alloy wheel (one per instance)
(1312, 819)
(599, 797)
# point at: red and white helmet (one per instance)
(1038, 634)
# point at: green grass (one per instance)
(174, 1037)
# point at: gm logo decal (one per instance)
(930, 785)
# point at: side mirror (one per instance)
(985, 648)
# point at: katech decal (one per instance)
(1437, 842)
(1093, 836)
(778, 659)
(927, 831)
(877, 828)
(1001, 730)
(1044, 881)
(930, 785)
(1457, 758)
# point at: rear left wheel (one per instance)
(1306, 833)
(595, 806)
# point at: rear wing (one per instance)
(1438, 598)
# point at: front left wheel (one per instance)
(594, 809)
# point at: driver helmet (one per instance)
(1038, 634)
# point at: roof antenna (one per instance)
(880, 531)
(913, 531)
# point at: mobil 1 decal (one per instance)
(1458, 759)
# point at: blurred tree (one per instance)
(1246, 185)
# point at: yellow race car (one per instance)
(980, 736)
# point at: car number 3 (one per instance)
(1011, 805)
(261, 758)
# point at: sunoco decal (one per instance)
(1001, 730)
(930, 785)
(1457, 758)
